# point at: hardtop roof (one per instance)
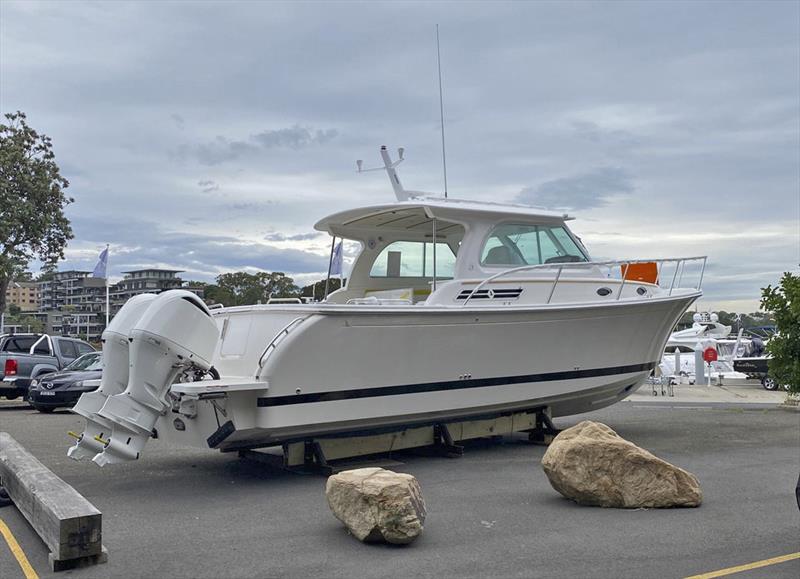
(456, 210)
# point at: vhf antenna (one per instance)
(441, 110)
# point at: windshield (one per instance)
(91, 361)
(530, 245)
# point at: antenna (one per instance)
(441, 110)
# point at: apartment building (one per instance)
(78, 299)
(142, 281)
(24, 295)
(73, 303)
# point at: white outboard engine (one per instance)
(175, 333)
(115, 377)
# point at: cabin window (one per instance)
(414, 259)
(518, 245)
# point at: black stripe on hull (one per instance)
(268, 401)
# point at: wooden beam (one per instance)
(69, 525)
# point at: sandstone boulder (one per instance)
(377, 504)
(592, 465)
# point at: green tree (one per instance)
(32, 201)
(241, 288)
(784, 303)
(317, 289)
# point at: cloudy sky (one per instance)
(209, 137)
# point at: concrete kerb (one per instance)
(67, 523)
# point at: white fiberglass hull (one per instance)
(354, 369)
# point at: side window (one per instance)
(42, 348)
(84, 348)
(414, 259)
(68, 349)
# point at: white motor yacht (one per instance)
(679, 359)
(452, 310)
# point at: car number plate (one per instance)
(47, 393)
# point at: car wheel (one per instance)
(12, 396)
(768, 383)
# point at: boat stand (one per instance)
(325, 455)
(545, 431)
(314, 461)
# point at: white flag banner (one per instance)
(336, 260)
(102, 264)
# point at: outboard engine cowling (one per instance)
(176, 333)
(116, 363)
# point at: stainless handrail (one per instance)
(584, 264)
(282, 334)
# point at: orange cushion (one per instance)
(646, 272)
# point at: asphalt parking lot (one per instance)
(198, 513)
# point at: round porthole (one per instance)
(641, 291)
(603, 291)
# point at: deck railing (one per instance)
(279, 337)
(677, 274)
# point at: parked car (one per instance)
(44, 355)
(62, 389)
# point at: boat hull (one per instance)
(346, 371)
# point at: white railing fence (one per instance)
(673, 268)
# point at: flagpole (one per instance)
(330, 264)
(107, 300)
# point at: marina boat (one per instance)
(685, 346)
(453, 310)
(705, 326)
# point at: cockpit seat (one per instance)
(499, 255)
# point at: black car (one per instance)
(62, 389)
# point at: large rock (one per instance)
(377, 504)
(592, 465)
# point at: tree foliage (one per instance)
(241, 288)
(784, 303)
(32, 201)
(317, 289)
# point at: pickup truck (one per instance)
(24, 357)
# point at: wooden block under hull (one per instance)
(294, 453)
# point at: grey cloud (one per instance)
(221, 149)
(250, 206)
(587, 190)
(295, 137)
(208, 186)
(179, 121)
(296, 237)
(593, 133)
(217, 151)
